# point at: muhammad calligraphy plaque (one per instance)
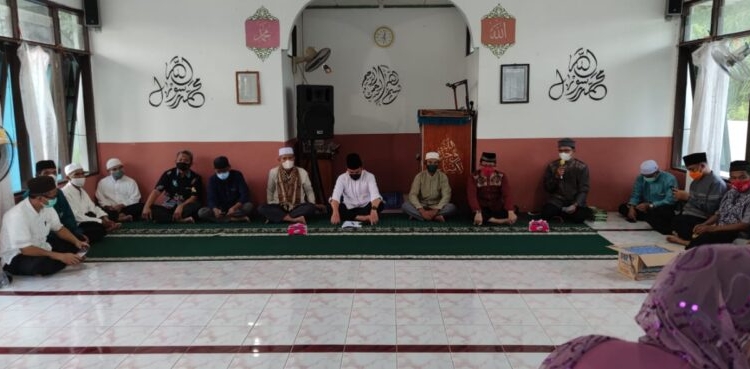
(262, 33)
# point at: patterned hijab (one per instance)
(697, 309)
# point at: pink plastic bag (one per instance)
(539, 225)
(297, 229)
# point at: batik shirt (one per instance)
(179, 188)
(734, 208)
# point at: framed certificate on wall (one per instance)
(514, 83)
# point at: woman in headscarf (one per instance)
(697, 315)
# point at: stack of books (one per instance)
(600, 215)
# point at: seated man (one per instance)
(733, 216)
(64, 212)
(182, 188)
(289, 193)
(91, 219)
(118, 194)
(23, 239)
(488, 192)
(567, 182)
(652, 199)
(430, 194)
(701, 202)
(355, 194)
(228, 196)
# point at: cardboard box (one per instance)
(644, 261)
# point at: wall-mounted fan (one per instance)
(734, 62)
(314, 59)
(6, 153)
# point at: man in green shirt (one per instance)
(64, 212)
(430, 194)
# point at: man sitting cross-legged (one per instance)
(356, 195)
(289, 193)
(23, 239)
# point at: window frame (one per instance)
(685, 65)
(83, 57)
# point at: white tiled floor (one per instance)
(228, 316)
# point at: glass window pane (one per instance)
(9, 123)
(738, 104)
(35, 22)
(6, 25)
(688, 118)
(698, 21)
(80, 152)
(71, 30)
(735, 16)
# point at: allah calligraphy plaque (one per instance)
(498, 31)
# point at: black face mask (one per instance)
(355, 176)
(183, 166)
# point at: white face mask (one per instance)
(287, 164)
(565, 156)
(78, 182)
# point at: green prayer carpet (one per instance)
(394, 237)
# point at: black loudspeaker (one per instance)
(674, 7)
(91, 13)
(314, 112)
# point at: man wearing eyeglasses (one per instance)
(356, 195)
(702, 201)
(23, 239)
(652, 199)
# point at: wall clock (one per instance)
(383, 36)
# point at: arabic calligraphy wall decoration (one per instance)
(262, 33)
(179, 86)
(381, 85)
(582, 78)
(498, 30)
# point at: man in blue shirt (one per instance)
(652, 199)
(228, 196)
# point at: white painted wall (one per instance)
(634, 43)
(428, 51)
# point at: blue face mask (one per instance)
(117, 174)
(50, 203)
(223, 175)
(649, 179)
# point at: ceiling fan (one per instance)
(734, 62)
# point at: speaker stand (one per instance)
(317, 181)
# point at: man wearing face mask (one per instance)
(91, 219)
(566, 180)
(733, 216)
(24, 248)
(652, 199)
(118, 194)
(430, 194)
(61, 206)
(182, 188)
(289, 192)
(702, 201)
(355, 194)
(488, 192)
(228, 196)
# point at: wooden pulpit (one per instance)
(450, 133)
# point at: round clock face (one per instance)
(383, 36)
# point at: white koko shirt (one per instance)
(111, 191)
(23, 226)
(357, 193)
(81, 203)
